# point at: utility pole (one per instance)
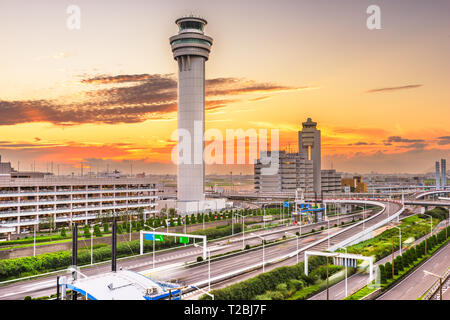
(328, 295)
(231, 181)
(392, 257)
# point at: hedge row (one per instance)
(410, 256)
(268, 281)
(26, 266)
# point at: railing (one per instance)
(435, 287)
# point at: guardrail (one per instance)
(435, 287)
(369, 229)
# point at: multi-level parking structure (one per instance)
(25, 203)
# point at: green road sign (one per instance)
(184, 240)
(159, 237)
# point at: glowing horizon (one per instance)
(107, 93)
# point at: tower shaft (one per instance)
(191, 49)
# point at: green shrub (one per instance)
(382, 273)
(388, 270)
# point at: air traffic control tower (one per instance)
(191, 48)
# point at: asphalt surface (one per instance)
(198, 273)
(46, 285)
(359, 280)
(417, 283)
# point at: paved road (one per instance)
(199, 273)
(45, 285)
(390, 209)
(359, 280)
(417, 283)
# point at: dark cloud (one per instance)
(416, 145)
(117, 79)
(361, 143)
(150, 98)
(442, 141)
(412, 86)
(402, 140)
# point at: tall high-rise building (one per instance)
(443, 173)
(438, 176)
(191, 48)
(309, 144)
(294, 171)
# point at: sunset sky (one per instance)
(107, 93)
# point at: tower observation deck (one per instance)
(191, 48)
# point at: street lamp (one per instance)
(34, 240)
(262, 246)
(328, 220)
(331, 255)
(264, 214)
(440, 281)
(92, 244)
(154, 239)
(400, 235)
(431, 231)
(364, 217)
(243, 229)
(209, 265)
(297, 241)
(345, 262)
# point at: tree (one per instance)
(179, 221)
(97, 231)
(382, 273)
(87, 233)
(388, 270)
(105, 228)
(63, 232)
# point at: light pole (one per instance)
(328, 220)
(440, 281)
(345, 263)
(34, 241)
(243, 229)
(431, 231)
(92, 244)
(297, 242)
(262, 238)
(154, 239)
(400, 236)
(209, 266)
(364, 217)
(264, 215)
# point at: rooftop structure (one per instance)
(123, 285)
(309, 144)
